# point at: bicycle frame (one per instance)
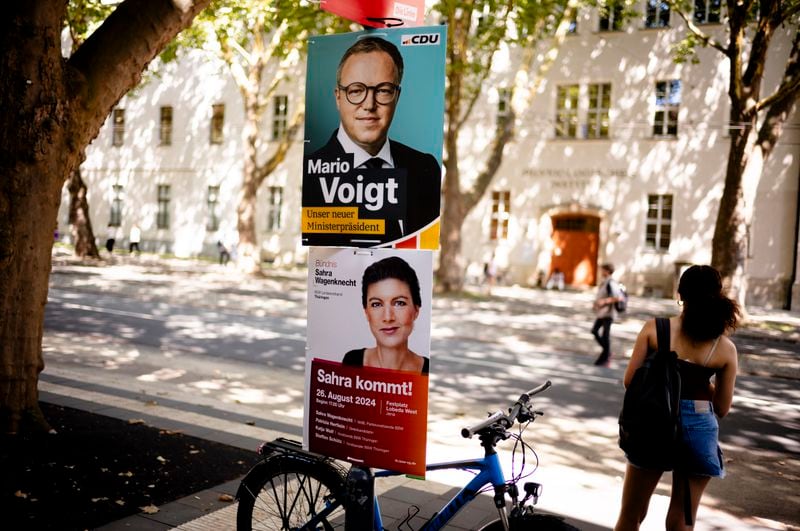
(489, 473)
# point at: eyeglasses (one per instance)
(385, 93)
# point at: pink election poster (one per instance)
(378, 13)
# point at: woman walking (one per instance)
(698, 337)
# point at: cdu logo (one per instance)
(424, 39)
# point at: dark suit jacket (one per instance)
(423, 193)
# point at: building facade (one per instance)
(620, 158)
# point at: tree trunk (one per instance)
(80, 222)
(32, 169)
(25, 283)
(58, 108)
(451, 270)
(729, 242)
(249, 260)
(450, 273)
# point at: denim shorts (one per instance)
(700, 454)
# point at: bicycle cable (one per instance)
(525, 447)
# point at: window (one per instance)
(274, 207)
(162, 216)
(576, 224)
(501, 202)
(668, 101)
(212, 203)
(118, 127)
(280, 112)
(165, 126)
(115, 218)
(659, 222)
(707, 11)
(599, 104)
(567, 111)
(217, 122)
(611, 16)
(657, 14)
(503, 102)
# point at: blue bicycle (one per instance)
(292, 489)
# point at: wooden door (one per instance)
(575, 244)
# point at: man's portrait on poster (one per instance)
(360, 153)
(391, 299)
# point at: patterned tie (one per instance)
(373, 163)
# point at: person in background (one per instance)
(134, 239)
(224, 255)
(489, 274)
(390, 295)
(556, 280)
(607, 294)
(111, 238)
(697, 335)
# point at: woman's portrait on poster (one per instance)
(391, 299)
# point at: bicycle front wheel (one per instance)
(287, 492)
(532, 522)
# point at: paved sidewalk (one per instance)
(517, 314)
(206, 510)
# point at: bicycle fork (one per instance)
(500, 501)
(518, 508)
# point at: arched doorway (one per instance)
(575, 242)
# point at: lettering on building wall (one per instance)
(570, 184)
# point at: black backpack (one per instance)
(649, 424)
(622, 304)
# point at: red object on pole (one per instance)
(378, 13)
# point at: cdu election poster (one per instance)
(373, 139)
(368, 356)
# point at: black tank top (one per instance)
(694, 380)
(695, 377)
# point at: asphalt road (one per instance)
(246, 343)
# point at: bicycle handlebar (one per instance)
(499, 417)
(536, 390)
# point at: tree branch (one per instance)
(264, 170)
(504, 132)
(111, 61)
(549, 57)
(790, 86)
(247, 56)
(737, 17)
(768, 20)
(485, 71)
(704, 37)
